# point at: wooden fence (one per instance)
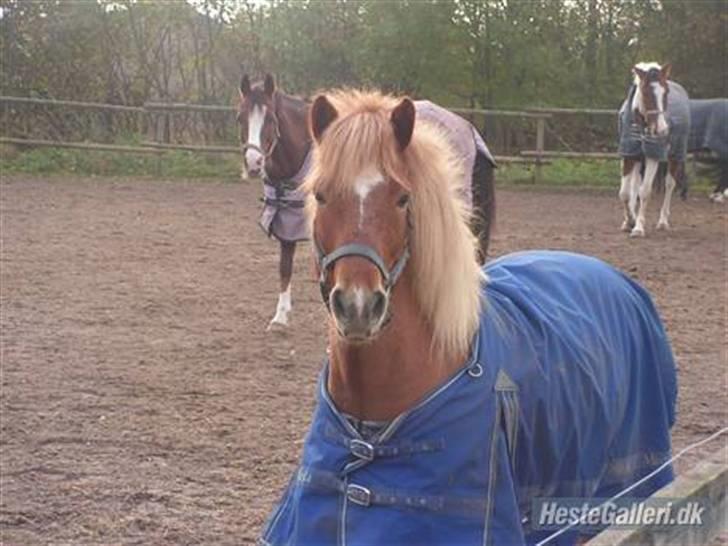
(157, 123)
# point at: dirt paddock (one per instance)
(143, 400)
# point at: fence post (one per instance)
(540, 131)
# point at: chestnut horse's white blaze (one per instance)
(365, 183)
(254, 160)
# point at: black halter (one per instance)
(390, 276)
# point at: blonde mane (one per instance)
(447, 276)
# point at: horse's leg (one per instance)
(483, 194)
(651, 166)
(634, 191)
(630, 170)
(288, 250)
(673, 174)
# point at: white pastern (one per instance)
(644, 193)
(369, 179)
(664, 222)
(625, 195)
(282, 309)
(255, 128)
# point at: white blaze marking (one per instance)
(369, 179)
(659, 92)
(638, 102)
(359, 300)
(255, 128)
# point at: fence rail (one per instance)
(73, 104)
(161, 119)
(92, 146)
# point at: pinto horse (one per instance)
(453, 395)
(654, 125)
(276, 145)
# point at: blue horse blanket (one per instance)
(709, 126)
(634, 142)
(569, 391)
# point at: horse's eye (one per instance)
(402, 201)
(319, 198)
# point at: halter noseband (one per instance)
(389, 276)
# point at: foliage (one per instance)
(491, 53)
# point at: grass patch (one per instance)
(179, 164)
(582, 173)
(171, 164)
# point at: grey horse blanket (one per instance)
(709, 126)
(462, 136)
(569, 392)
(634, 142)
(283, 215)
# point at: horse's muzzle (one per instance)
(359, 313)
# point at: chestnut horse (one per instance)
(654, 125)
(276, 143)
(454, 396)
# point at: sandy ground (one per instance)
(144, 402)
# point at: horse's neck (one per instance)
(290, 152)
(379, 380)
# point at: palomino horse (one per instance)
(454, 396)
(654, 124)
(275, 142)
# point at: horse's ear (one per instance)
(403, 122)
(322, 114)
(269, 85)
(639, 72)
(665, 72)
(245, 85)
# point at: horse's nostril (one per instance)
(337, 303)
(379, 305)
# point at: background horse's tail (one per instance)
(483, 190)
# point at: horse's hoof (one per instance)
(627, 226)
(663, 225)
(277, 325)
(637, 232)
(716, 197)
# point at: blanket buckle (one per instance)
(358, 494)
(361, 449)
